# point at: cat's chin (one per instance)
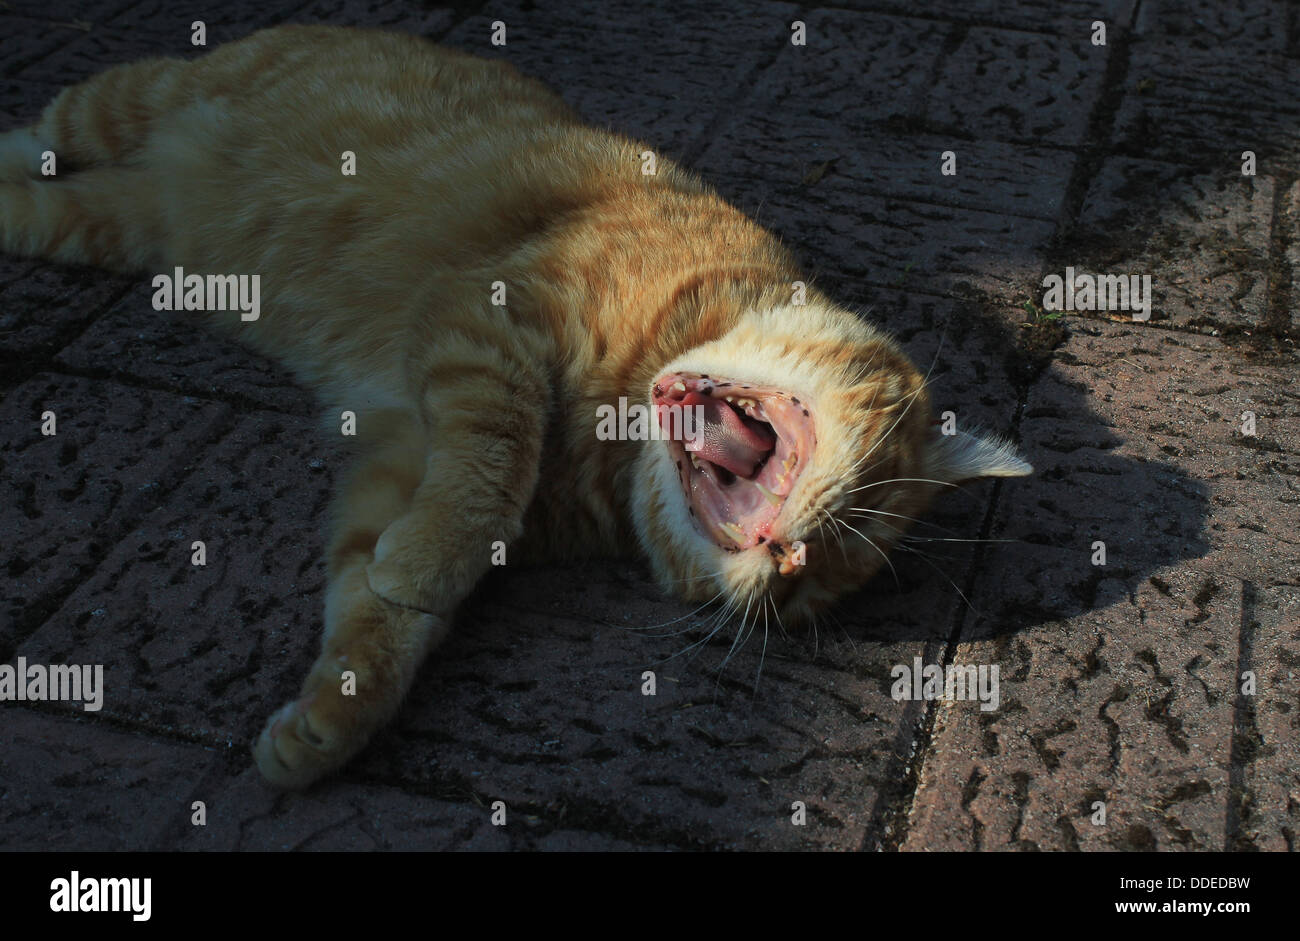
(739, 450)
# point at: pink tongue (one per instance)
(728, 441)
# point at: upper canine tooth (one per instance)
(679, 386)
(767, 494)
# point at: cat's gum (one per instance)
(745, 512)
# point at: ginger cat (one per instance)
(476, 421)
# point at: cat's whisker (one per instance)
(884, 555)
(835, 529)
(776, 612)
(758, 674)
(653, 627)
(910, 519)
(941, 539)
(744, 618)
(903, 480)
(844, 630)
(720, 622)
(975, 611)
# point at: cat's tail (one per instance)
(70, 187)
(101, 122)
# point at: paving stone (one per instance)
(117, 449)
(886, 242)
(170, 24)
(1265, 811)
(546, 713)
(856, 70)
(79, 786)
(1019, 86)
(991, 177)
(22, 102)
(177, 350)
(153, 28)
(420, 19)
(1120, 682)
(1203, 239)
(210, 651)
(1050, 16)
(1204, 107)
(1248, 25)
(244, 814)
(68, 296)
(25, 40)
(658, 75)
(1132, 709)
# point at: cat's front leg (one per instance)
(417, 524)
(487, 413)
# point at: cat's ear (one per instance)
(962, 456)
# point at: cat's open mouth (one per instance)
(738, 448)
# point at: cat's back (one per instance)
(336, 132)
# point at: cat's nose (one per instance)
(789, 557)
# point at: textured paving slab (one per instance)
(1050, 16)
(210, 651)
(1020, 86)
(78, 785)
(69, 295)
(116, 452)
(882, 241)
(660, 74)
(991, 176)
(1204, 106)
(244, 814)
(1204, 241)
(174, 350)
(151, 28)
(1122, 681)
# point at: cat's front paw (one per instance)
(341, 707)
(298, 748)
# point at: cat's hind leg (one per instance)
(418, 520)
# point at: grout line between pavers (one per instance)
(894, 825)
(1245, 735)
(725, 114)
(109, 536)
(956, 19)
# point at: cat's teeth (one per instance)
(734, 531)
(679, 387)
(695, 461)
(768, 495)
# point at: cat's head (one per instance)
(816, 452)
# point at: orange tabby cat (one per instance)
(477, 419)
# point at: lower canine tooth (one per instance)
(734, 531)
